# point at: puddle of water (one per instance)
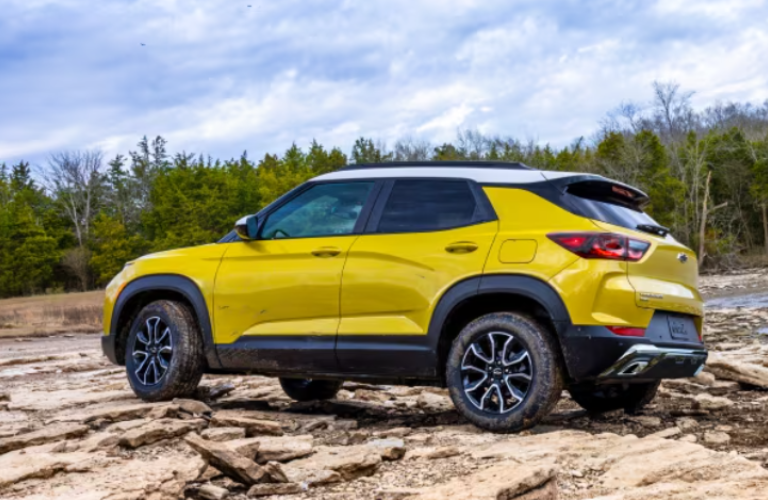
(753, 301)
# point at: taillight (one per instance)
(602, 245)
(627, 331)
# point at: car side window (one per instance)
(322, 210)
(428, 205)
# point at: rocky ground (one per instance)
(71, 428)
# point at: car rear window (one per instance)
(609, 203)
(428, 205)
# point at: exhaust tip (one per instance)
(633, 368)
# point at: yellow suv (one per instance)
(503, 283)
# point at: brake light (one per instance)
(602, 245)
(625, 331)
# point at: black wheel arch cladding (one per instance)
(140, 292)
(528, 287)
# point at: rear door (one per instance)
(424, 236)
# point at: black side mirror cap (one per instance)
(247, 228)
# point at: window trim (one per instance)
(485, 212)
(298, 191)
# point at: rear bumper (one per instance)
(595, 354)
(644, 362)
(108, 347)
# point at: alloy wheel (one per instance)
(152, 351)
(496, 372)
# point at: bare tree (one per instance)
(75, 260)
(673, 116)
(472, 143)
(410, 149)
(77, 181)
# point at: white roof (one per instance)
(480, 175)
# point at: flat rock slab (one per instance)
(264, 490)
(158, 430)
(252, 426)
(307, 478)
(738, 371)
(505, 480)
(265, 449)
(110, 413)
(55, 400)
(92, 476)
(47, 434)
(223, 433)
(350, 462)
(17, 467)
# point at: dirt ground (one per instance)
(71, 428)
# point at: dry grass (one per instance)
(51, 314)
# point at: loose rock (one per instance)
(263, 490)
(306, 477)
(666, 433)
(230, 463)
(395, 494)
(711, 403)
(388, 449)
(223, 433)
(193, 407)
(433, 453)
(214, 392)
(716, 438)
(646, 421)
(278, 449)
(687, 423)
(208, 492)
(350, 462)
(252, 426)
(158, 430)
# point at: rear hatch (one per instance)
(666, 278)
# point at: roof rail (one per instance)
(442, 164)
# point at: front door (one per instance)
(424, 236)
(276, 299)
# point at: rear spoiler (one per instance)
(599, 188)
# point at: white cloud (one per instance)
(218, 77)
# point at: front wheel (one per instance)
(164, 358)
(306, 389)
(602, 398)
(503, 372)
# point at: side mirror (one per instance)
(247, 228)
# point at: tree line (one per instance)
(74, 222)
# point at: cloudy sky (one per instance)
(218, 76)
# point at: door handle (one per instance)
(461, 247)
(326, 252)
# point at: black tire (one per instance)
(305, 389)
(534, 399)
(181, 368)
(602, 398)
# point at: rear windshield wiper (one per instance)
(653, 229)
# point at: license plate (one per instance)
(682, 329)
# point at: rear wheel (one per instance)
(164, 357)
(602, 398)
(306, 389)
(503, 372)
